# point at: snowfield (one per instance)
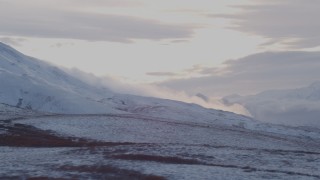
(8, 112)
(141, 129)
(120, 146)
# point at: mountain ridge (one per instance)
(44, 86)
(41, 86)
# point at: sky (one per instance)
(213, 47)
(136, 40)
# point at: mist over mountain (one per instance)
(297, 107)
(33, 84)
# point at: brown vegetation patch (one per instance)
(46, 178)
(154, 158)
(21, 135)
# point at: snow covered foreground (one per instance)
(136, 146)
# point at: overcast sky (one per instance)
(216, 47)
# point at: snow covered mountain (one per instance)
(67, 128)
(30, 83)
(34, 84)
(299, 107)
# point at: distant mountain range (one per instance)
(293, 106)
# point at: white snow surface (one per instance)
(8, 112)
(148, 129)
(222, 151)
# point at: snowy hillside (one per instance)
(34, 84)
(8, 112)
(298, 107)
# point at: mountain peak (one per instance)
(1, 44)
(10, 53)
(315, 85)
(4, 46)
(203, 97)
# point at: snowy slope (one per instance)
(44, 87)
(298, 107)
(8, 112)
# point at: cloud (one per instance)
(102, 3)
(253, 74)
(195, 71)
(27, 20)
(118, 85)
(179, 41)
(59, 45)
(72, 4)
(153, 90)
(161, 74)
(291, 23)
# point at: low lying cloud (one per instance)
(166, 93)
(119, 86)
(12, 41)
(43, 21)
(161, 74)
(296, 107)
(59, 45)
(253, 74)
(291, 23)
(194, 71)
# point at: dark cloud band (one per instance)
(255, 73)
(292, 23)
(70, 24)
